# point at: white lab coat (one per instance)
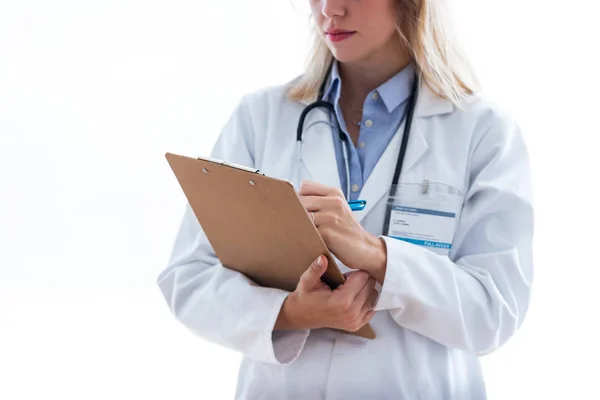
(436, 313)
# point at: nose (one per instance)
(333, 8)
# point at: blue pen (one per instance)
(357, 205)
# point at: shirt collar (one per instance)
(393, 92)
(398, 88)
(333, 86)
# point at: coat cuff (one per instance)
(390, 293)
(282, 347)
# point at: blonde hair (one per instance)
(425, 30)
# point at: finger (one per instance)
(362, 297)
(373, 298)
(323, 219)
(312, 203)
(349, 273)
(355, 283)
(370, 303)
(312, 276)
(320, 203)
(308, 188)
(368, 317)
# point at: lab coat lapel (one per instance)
(380, 179)
(318, 153)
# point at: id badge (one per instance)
(424, 214)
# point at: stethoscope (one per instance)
(330, 108)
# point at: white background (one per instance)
(92, 94)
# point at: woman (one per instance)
(439, 264)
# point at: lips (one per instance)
(338, 35)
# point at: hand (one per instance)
(314, 305)
(341, 232)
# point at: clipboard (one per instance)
(255, 224)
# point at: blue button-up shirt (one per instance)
(383, 111)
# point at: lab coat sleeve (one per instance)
(477, 297)
(217, 303)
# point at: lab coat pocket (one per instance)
(424, 214)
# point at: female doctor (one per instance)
(440, 260)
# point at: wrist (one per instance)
(378, 259)
(288, 315)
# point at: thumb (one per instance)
(312, 276)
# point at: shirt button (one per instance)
(361, 145)
(355, 188)
(375, 96)
(368, 123)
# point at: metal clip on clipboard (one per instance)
(230, 164)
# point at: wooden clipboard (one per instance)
(255, 224)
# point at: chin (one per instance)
(346, 56)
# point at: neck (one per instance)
(362, 77)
